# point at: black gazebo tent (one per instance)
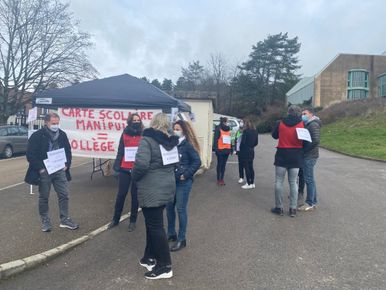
(123, 91)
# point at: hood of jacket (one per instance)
(168, 142)
(315, 119)
(291, 120)
(225, 127)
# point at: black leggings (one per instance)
(124, 184)
(241, 167)
(301, 181)
(249, 172)
(221, 163)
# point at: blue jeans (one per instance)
(309, 179)
(292, 176)
(181, 199)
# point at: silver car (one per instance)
(13, 139)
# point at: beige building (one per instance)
(347, 77)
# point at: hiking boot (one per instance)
(164, 272)
(69, 224)
(277, 210)
(46, 224)
(292, 212)
(149, 264)
(131, 227)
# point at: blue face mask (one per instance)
(305, 118)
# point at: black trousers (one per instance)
(157, 246)
(124, 185)
(241, 167)
(249, 171)
(221, 163)
(301, 181)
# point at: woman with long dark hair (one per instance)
(249, 141)
(190, 162)
(124, 163)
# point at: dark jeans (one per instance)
(241, 167)
(221, 163)
(249, 172)
(157, 246)
(124, 185)
(60, 183)
(180, 202)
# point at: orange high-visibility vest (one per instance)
(220, 143)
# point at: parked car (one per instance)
(13, 139)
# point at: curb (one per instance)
(15, 267)
(353, 156)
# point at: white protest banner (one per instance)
(58, 155)
(96, 132)
(169, 157)
(130, 153)
(303, 134)
(53, 166)
(32, 114)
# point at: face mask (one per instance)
(54, 128)
(136, 126)
(241, 124)
(305, 118)
(178, 133)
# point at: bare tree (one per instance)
(218, 67)
(40, 45)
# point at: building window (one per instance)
(357, 84)
(382, 85)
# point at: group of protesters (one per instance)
(158, 163)
(294, 156)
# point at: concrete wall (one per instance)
(203, 112)
(331, 83)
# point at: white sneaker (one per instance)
(241, 180)
(247, 186)
(253, 185)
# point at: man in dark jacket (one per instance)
(48, 139)
(311, 155)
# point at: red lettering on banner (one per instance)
(96, 146)
(149, 115)
(142, 115)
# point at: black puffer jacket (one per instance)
(38, 146)
(156, 182)
(311, 150)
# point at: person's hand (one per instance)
(65, 168)
(182, 177)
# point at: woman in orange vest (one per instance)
(124, 163)
(288, 157)
(222, 147)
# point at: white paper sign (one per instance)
(32, 114)
(169, 157)
(57, 155)
(53, 166)
(303, 134)
(173, 114)
(130, 153)
(226, 139)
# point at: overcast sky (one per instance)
(156, 38)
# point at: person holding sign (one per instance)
(190, 162)
(154, 174)
(222, 147)
(124, 163)
(311, 155)
(288, 158)
(249, 141)
(49, 157)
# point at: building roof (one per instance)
(301, 84)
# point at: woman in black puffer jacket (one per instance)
(190, 162)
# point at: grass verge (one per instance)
(359, 136)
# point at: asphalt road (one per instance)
(234, 242)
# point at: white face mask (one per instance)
(54, 128)
(178, 133)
